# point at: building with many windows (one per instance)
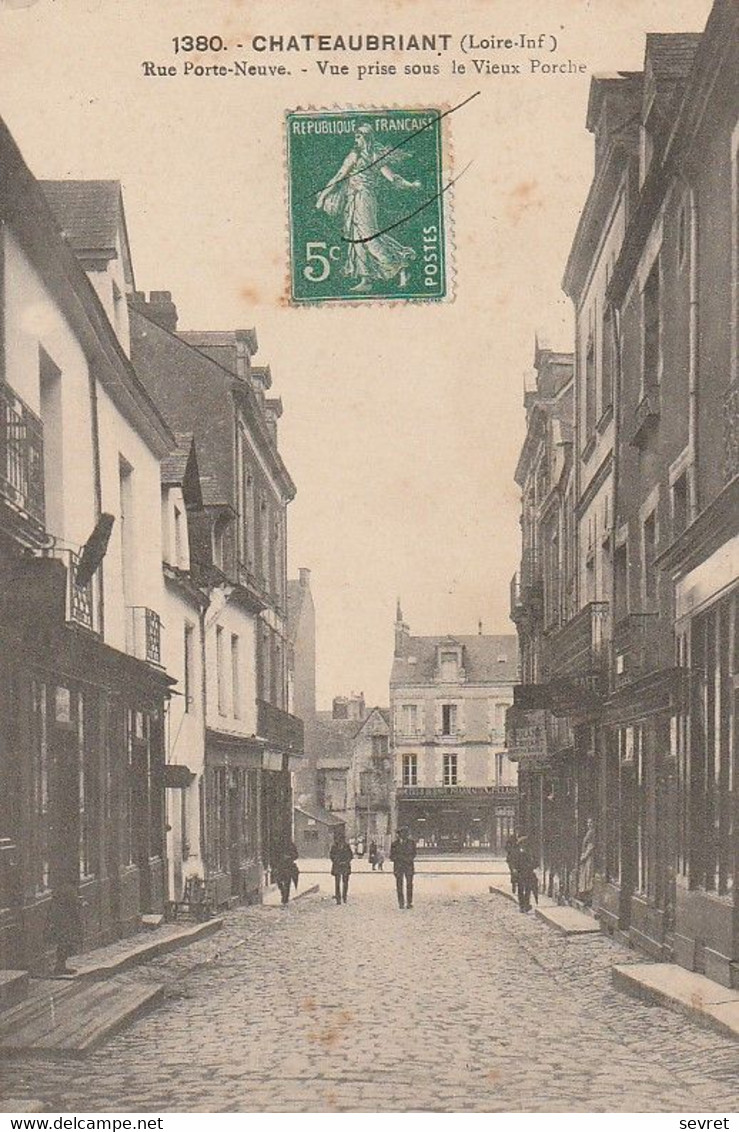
(207, 385)
(542, 599)
(646, 670)
(83, 689)
(455, 786)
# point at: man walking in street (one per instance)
(341, 865)
(403, 855)
(285, 870)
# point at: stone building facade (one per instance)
(455, 786)
(650, 694)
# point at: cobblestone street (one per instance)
(461, 1004)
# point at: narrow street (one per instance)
(306, 1009)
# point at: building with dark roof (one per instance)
(353, 777)
(83, 685)
(455, 785)
(207, 386)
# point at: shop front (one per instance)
(458, 819)
(81, 778)
(232, 799)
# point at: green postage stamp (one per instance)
(366, 194)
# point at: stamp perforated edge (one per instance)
(447, 167)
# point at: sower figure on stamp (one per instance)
(403, 855)
(341, 865)
(353, 193)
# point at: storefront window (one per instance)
(713, 660)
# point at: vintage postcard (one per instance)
(369, 559)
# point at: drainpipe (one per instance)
(693, 357)
(95, 431)
(203, 810)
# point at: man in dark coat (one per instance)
(528, 882)
(341, 865)
(511, 856)
(285, 868)
(403, 855)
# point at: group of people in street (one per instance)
(402, 854)
(285, 871)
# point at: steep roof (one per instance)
(180, 469)
(317, 813)
(486, 659)
(334, 739)
(671, 54)
(384, 714)
(25, 208)
(90, 215)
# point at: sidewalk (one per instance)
(665, 984)
(569, 921)
(683, 991)
(73, 1014)
(125, 953)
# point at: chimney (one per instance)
(402, 632)
(340, 708)
(304, 574)
(272, 413)
(479, 628)
(158, 307)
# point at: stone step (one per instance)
(569, 921)
(13, 987)
(68, 1018)
(125, 953)
(684, 991)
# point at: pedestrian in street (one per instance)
(511, 856)
(341, 865)
(403, 855)
(285, 870)
(372, 856)
(528, 882)
(380, 859)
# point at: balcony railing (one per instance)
(526, 583)
(636, 647)
(279, 728)
(579, 649)
(21, 456)
(79, 601)
(145, 634)
(731, 432)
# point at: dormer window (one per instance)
(449, 665)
